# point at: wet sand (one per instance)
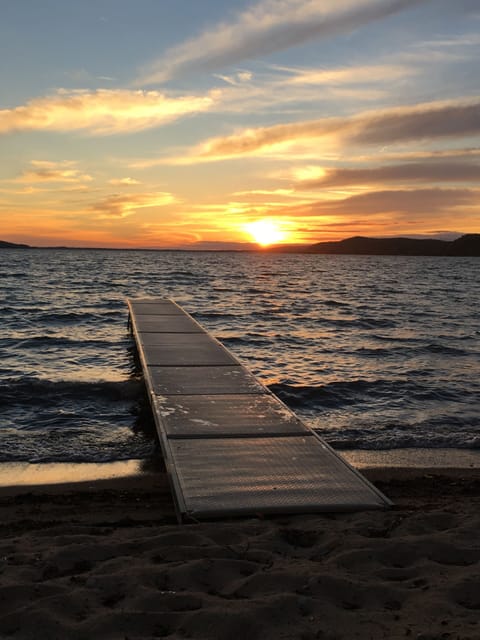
(107, 559)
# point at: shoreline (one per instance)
(420, 458)
(24, 477)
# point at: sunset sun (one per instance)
(265, 232)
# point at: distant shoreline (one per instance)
(467, 245)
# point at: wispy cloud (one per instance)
(24, 191)
(428, 121)
(471, 39)
(124, 182)
(47, 171)
(256, 141)
(352, 75)
(430, 172)
(82, 77)
(284, 88)
(433, 155)
(120, 206)
(101, 112)
(267, 27)
(423, 122)
(413, 204)
(235, 79)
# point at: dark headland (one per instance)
(12, 245)
(466, 245)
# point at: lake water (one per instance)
(373, 352)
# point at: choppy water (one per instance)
(374, 352)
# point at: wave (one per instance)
(85, 445)
(34, 342)
(444, 349)
(78, 317)
(35, 391)
(408, 436)
(393, 352)
(65, 316)
(339, 394)
(74, 421)
(183, 273)
(213, 315)
(357, 323)
(335, 303)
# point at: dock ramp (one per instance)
(230, 446)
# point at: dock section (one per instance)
(230, 446)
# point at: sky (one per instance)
(211, 124)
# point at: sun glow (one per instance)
(265, 232)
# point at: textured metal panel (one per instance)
(269, 475)
(226, 415)
(168, 324)
(204, 380)
(181, 341)
(202, 351)
(165, 307)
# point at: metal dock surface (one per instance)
(230, 446)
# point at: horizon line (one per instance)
(245, 247)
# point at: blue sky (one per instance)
(161, 123)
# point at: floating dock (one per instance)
(230, 446)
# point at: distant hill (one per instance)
(467, 245)
(12, 245)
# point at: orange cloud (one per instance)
(124, 182)
(422, 122)
(120, 206)
(439, 171)
(101, 112)
(251, 141)
(405, 204)
(420, 155)
(428, 121)
(45, 171)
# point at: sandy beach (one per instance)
(107, 559)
